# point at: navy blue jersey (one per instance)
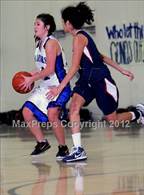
(92, 65)
(95, 80)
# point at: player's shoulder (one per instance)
(51, 42)
(80, 38)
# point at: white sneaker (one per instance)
(76, 154)
(140, 108)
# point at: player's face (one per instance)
(40, 29)
(65, 26)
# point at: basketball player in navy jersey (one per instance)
(95, 80)
(49, 59)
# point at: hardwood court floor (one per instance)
(115, 164)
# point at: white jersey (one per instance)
(40, 60)
(38, 102)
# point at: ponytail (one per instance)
(85, 13)
(78, 15)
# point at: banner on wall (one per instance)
(126, 42)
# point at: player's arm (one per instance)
(110, 62)
(79, 43)
(113, 64)
(33, 72)
(51, 53)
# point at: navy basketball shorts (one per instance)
(104, 91)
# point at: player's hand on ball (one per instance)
(18, 80)
(26, 85)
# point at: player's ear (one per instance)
(48, 27)
(67, 22)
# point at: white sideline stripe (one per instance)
(111, 89)
(87, 53)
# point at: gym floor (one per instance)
(115, 164)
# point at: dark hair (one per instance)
(78, 15)
(47, 19)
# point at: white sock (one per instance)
(76, 137)
(43, 140)
(133, 116)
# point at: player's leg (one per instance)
(75, 106)
(140, 109)
(34, 126)
(135, 114)
(53, 116)
(82, 96)
(77, 152)
(121, 118)
(107, 101)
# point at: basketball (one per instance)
(18, 79)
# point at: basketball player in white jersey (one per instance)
(50, 63)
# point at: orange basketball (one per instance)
(18, 79)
